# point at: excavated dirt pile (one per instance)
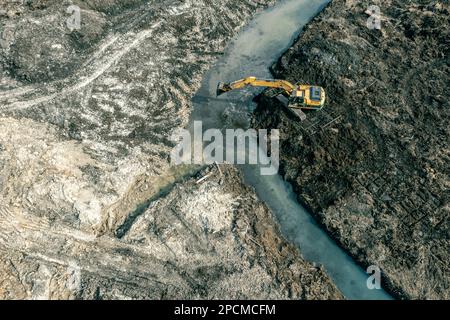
(373, 165)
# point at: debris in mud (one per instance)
(373, 166)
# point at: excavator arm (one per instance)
(254, 82)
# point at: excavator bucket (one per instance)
(222, 88)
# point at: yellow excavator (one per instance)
(297, 97)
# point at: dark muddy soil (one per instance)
(373, 165)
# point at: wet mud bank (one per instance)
(372, 166)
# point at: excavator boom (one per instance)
(254, 82)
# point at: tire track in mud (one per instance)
(28, 235)
(108, 53)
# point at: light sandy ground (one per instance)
(89, 205)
